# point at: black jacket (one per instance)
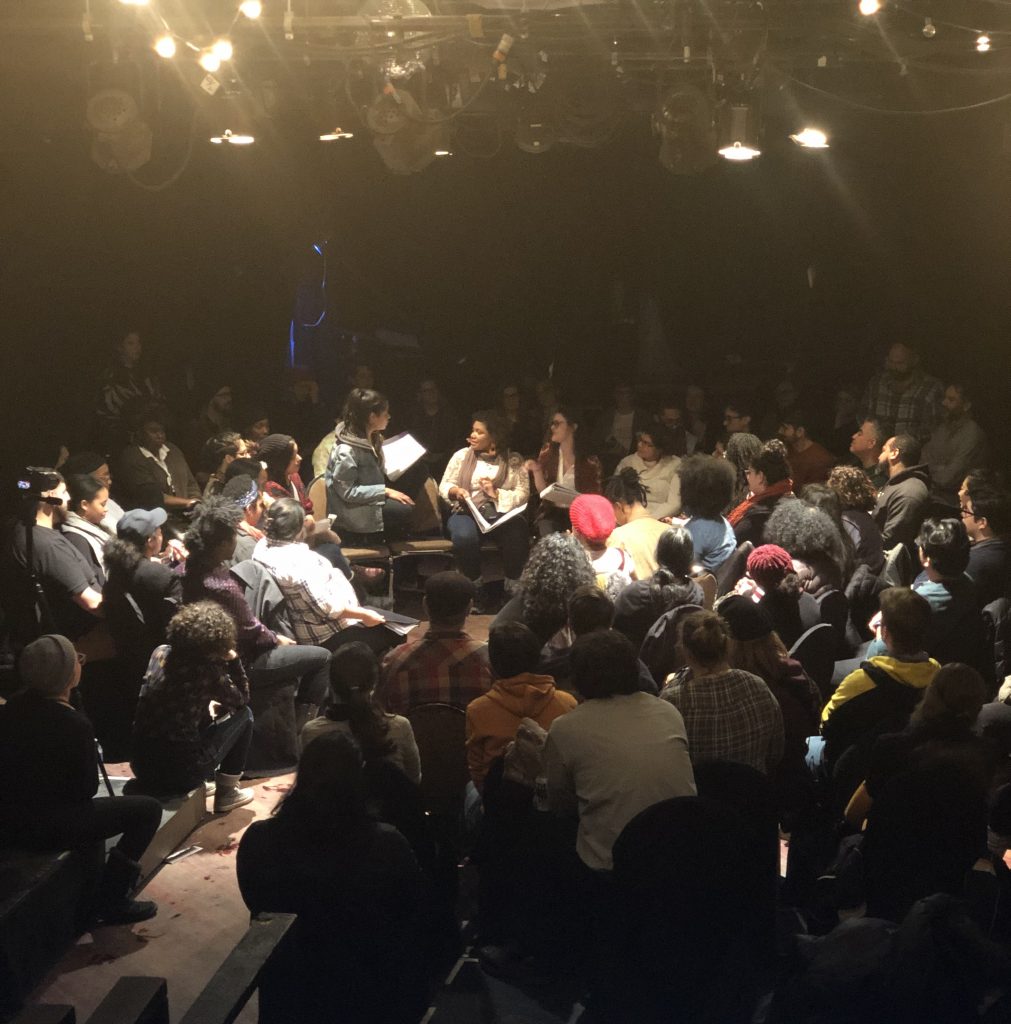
(902, 505)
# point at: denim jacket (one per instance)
(356, 487)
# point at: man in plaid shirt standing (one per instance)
(446, 665)
(904, 395)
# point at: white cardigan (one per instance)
(662, 482)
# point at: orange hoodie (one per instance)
(492, 719)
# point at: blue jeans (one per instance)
(310, 666)
(512, 538)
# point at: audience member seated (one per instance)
(214, 416)
(768, 476)
(270, 660)
(642, 602)
(815, 545)
(523, 423)
(93, 464)
(772, 582)
(244, 494)
(517, 693)
(565, 461)
(444, 666)
(491, 476)
(618, 427)
(253, 426)
(127, 380)
(741, 451)
(556, 567)
(707, 488)
(356, 954)
(71, 588)
(321, 602)
(866, 447)
(879, 696)
(617, 753)
(655, 462)
(83, 524)
(218, 453)
(590, 611)
(845, 422)
(280, 453)
(253, 468)
(193, 720)
(756, 648)
(353, 710)
(436, 426)
(737, 419)
(366, 511)
(785, 399)
(153, 472)
(810, 462)
(637, 532)
(299, 411)
(985, 505)
(49, 756)
(695, 417)
(592, 524)
(902, 502)
(956, 445)
(903, 395)
(857, 497)
(670, 414)
(142, 593)
(729, 714)
(956, 626)
(825, 499)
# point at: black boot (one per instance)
(115, 889)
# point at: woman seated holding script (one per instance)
(485, 482)
(564, 464)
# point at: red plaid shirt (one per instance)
(442, 667)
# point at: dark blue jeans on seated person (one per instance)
(512, 538)
(288, 663)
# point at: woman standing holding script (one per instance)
(488, 488)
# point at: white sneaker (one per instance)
(226, 800)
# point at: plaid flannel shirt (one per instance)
(916, 410)
(316, 593)
(729, 717)
(439, 668)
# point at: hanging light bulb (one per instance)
(251, 9)
(929, 29)
(869, 7)
(738, 134)
(165, 46)
(811, 138)
(336, 135)
(232, 139)
(209, 61)
(222, 49)
(982, 43)
(443, 152)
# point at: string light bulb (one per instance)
(227, 136)
(869, 7)
(222, 49)
(251, 9)
(982, 43)
(336, 135)
(209, 61)
(929, 28)
(739, 152)
(810, 138)
(165, 46)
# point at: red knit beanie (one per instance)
(593, 516)
(769, 565)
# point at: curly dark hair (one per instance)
(707, 485)
(626, 487)
(216, 520)
(742, 450)
(198, 631)
(808, 534)
(854, 488)
(823, 498)
(771, 460)
(498, 428)
(556, 567)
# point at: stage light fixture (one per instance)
(209, 61)
(738, 135)
(251, 9)
(869, 7)
(336, 135)
(165, 46)
(232, 139)
(222, 49)
(982, 43)
(810, 138)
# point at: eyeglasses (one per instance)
(966, 511)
